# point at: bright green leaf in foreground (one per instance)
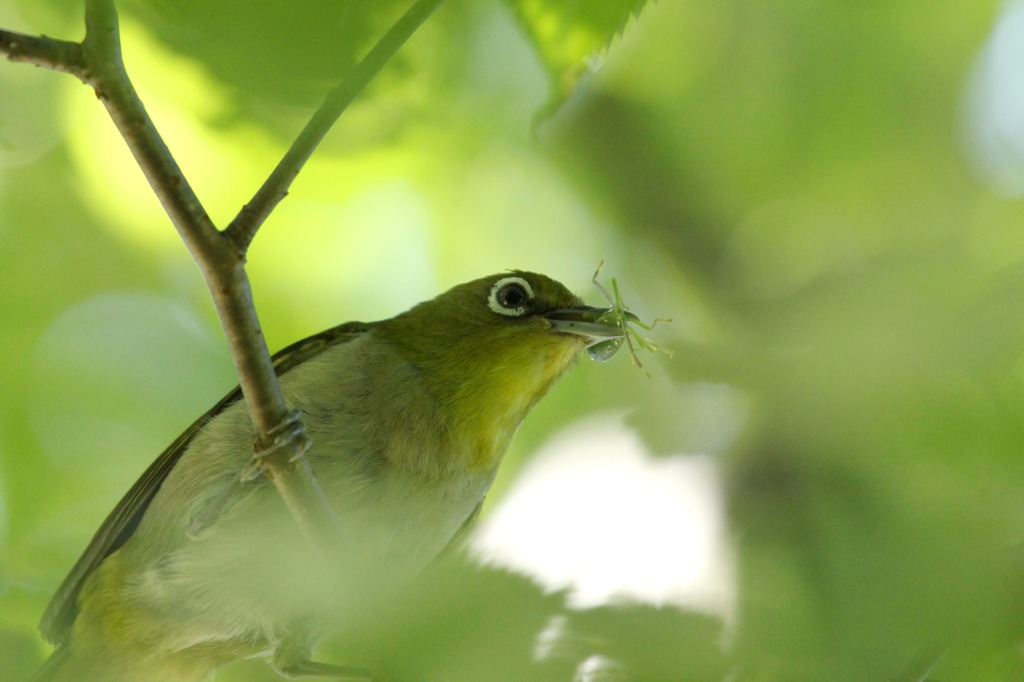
(568, 32)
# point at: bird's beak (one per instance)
(594, 325)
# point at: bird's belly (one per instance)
(253, 576)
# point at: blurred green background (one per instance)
(823, 196)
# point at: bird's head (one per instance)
(489, 349)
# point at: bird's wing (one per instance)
(124, 519)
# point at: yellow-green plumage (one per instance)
(409, 418)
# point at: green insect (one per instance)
(619, 315)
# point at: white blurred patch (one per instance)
(599, 668)
(597, 514)
(995, 102)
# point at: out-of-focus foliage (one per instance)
(300, 49)
(791, 182)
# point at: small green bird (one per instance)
(409, 419)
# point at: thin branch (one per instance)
(243, 228)
(107, 76)
(221, 265)
(281, 441)
(58, 55)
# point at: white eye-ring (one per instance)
(510, 296)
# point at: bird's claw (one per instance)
(289, 437)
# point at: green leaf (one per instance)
(567, 33)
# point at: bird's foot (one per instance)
(288, 439)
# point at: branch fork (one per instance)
(281, 440)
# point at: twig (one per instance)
(282, 460)
(245, 225)
(280, 444)
(59, 55)
(281, 441)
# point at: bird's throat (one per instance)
(488, 411)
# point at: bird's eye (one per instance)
(510, 296)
